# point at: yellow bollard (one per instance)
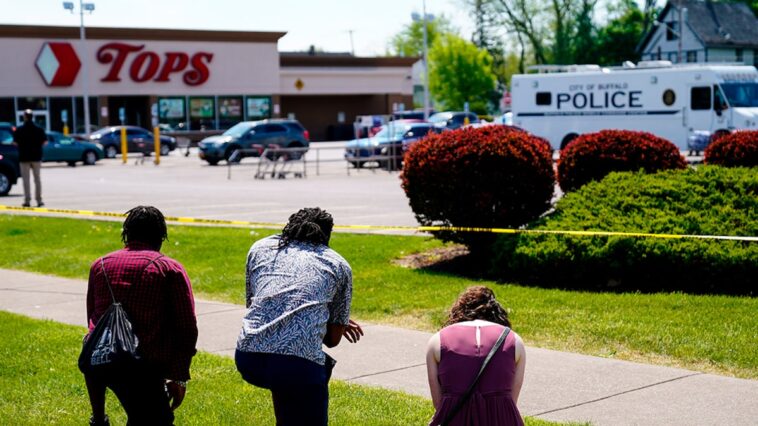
(124, 149)
(157, 134)
(65, 130)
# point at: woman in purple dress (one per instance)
(455, 355)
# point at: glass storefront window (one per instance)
(61, 108)
(171, 112)
(78, 115)
(230, 110)
(202, 113)
(34, 104)
(7, 110)
(258, 107)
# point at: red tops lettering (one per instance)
(149, 66)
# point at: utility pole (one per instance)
(426, 65)
(352, 46)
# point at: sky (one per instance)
(325, 24)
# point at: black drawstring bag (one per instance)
(112, 345)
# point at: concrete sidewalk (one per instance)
(559, 386)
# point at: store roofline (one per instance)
(307, 60)
(152, 34)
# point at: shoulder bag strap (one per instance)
(469, 391)
(108, 282)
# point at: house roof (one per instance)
(716, 24)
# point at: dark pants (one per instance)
(142, 393)
(299, 388)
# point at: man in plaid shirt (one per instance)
(157, 296)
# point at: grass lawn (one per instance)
(706, 333)
(40, 384)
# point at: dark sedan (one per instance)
(452, 119)
(62, 148)
(137, 140)
(387, 146)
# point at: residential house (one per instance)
(703, 31)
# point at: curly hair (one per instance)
(311, 225)
(145, 224)
(477, 303)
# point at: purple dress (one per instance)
(460, 359)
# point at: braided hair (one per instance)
(478, 303)
(311, 225)
(145, 224)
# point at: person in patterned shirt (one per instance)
(298, 294)
(157, 295)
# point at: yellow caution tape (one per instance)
(394, 228)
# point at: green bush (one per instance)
(708, 201)
(491, 176)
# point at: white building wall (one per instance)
(346, 81)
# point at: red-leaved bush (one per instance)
(491, 176)
(592, 156)
(739, 149)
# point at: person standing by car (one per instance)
(156, 293)
(298, 294)
(30, 138)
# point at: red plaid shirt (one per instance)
(160, 305)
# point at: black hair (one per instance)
(145, 224)
(311, 225)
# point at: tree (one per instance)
(410, 40)
(617, 41)
(460, 72)
(584, 44)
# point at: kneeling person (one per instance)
(298, 294)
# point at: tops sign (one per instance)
(145, 65)
(59, 65)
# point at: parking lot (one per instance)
(187, 186)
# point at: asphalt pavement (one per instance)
(187, 186)
(559, 386)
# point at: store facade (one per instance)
(188, 80)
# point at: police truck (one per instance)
(676, 102)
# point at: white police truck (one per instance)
(676, 102)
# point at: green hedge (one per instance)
(708, 201)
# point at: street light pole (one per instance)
(89, 7)
(681, 32)
(85, 65)
(426, 65)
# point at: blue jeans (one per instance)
(299, 387)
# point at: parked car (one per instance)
(62, 148)
(249, 135)
(388, 144)
(452, 120)
(9, 166)
(137, 140)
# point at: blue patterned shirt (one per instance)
(291, 295)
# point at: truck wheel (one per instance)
(5, 183)
(567, 139)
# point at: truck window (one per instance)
(700, 98)
(544, 98)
